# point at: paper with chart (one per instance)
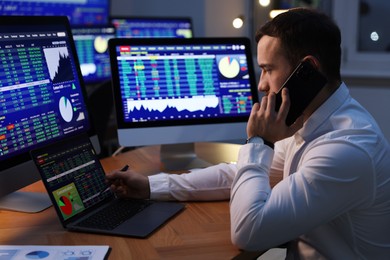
(16, 252)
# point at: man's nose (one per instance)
(262, 86)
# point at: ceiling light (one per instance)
(238, 22)
(264, 3)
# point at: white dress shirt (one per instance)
(334, 198)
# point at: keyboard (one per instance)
(115, 214)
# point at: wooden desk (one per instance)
(201, 231)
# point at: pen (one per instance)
(106, 189)
(125, 168)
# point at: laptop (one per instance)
(75, 180)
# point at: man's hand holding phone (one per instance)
(280, 115)
(269, 124)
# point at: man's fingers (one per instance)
(264, 103)
(255, 107)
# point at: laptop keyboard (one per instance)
(115, 214)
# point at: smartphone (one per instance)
(303, 84)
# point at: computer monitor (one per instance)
(78, 11)
(92, 50)
(174, 91)
(152, 27)
(41, 100)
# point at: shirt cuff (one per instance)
(159, 187)
(255, 153)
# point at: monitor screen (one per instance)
(148, 27)
(92, 50)
(41, 94)
(170, 91)
(78, 11)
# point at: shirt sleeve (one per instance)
(331, 179)
(212, 183)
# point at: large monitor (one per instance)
(92, 50)
(174, 91)
(78, 11)
(152, 27)
(41, 99)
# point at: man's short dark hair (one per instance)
(305, 31)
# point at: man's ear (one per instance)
(313, 60)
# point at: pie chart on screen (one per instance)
(37, 255)
(229, 67)
(66, 109)
(100, 44)
(65, 205)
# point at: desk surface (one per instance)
(202, 230)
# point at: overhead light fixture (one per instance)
(374, 36)
(238, 22)
(264, 3)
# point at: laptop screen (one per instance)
(72, 174)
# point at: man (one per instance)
(334, 199)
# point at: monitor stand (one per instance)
(176, 157)
(24, 201)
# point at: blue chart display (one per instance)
(156, 77)
(177, 82)
(133, 27)
(172, 108)
(59, 64)
(78, 11)
(40, 95)
(92, 50)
